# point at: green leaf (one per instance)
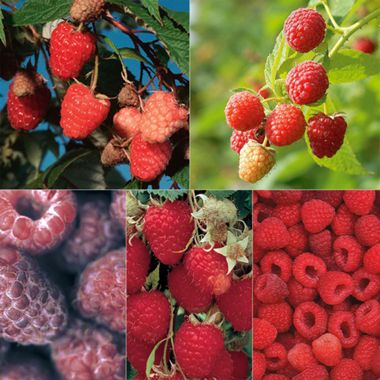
(220, 194)
(182, 177)
(181, 18)
(33, 150)
(350, 65)
(340, 8)
(41, 11)
(2, 34)
(170, 195)
(153, 9)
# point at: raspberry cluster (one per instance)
(316, 285)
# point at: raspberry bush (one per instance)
(94, 94)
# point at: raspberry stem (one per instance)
(94, 79)
(331, 17)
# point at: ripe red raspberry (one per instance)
(240, 138)
(147, 160)
(326, 134)
(286, 197)
(223, 367)
(197, 348)
(168, 230)
(365, 351)
(138, 261)
(277, 262)
(101, 292)
(86, 10)
(348, 253)
(272, 234)
(334, 287)
(310, 320)
(32, 308)
(26, 111)
(187, 295)
(367, 317)
(208, 270)
(37, 220)
(366, 285)
(346, 369)
(298, 293)
(376, 362)
(307, 82)
(280, 315)
(343, 222)
(87, 351)
(298, 240)
(332, 197)
(321, 243)
(365, 45)
(70, 50)
(342, 325)
(290, 214)
(162, 117)
(367, 230)
(316, 215)
(371, 260)
(285, 125)
(308, 269)
(259, 365)
(82, 112)
(235, 304)
(276, 356)
(301, 357)
(274, 376)
(304, 29)
(148, 316)
(269, 288)
(264, 333)
(359, 202)
(317, 372)
(327, 349)
(240, 365)
(244, 111)
(127, 121)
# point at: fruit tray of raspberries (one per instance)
(62, 285)
(316, 285)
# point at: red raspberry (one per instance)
(365, 351)
(334, 287)
(208, 270)
(264, 333)
(301, 357)
(365, 45)
(321, 243)
(371, 260)
(187, 295)
(348, 253)
(280, 315)
(327, 349)
(286, 197)
(359, 202)
(304, 29)
(285, 125)
(316, 215)
(32, 308)
(235, 305)
(343, 222)
(298, 241)
(259, 365)
(346, 369)
(86, 10)
(240, 365)
(368, 317)
(148, 316)
(332, 197)
(101, 294)
(261, 212)
(162, 117)
(307, 269)
(240, 138)
(317, 372)
(127, 121)
(276, 356)
(277, 262)
(367, 230)
(37, 220)
(307, 82)
(298, 293)
(244, 111)
(272, 234)
(289, 214)
(326, 134)
(197, 348)
(223, 367)
(138, 261)
(366, 285)
(82, 112)
(376, 362)
(310, 320)
(269, 288)
(274, 376)
(70, 50)
(342, 325)
(86, 350)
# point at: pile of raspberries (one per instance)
(62, 285)
(316, 285)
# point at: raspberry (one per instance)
(208, 270)
(280, 315)
(36, 220)
(343, 222)
(332, 197)
(244, 111)
(128, 96)
(261, 211)
(307, 269)
(276, 356)
(376, 363)
(326, 134)
(70, 50)
(118, 208)
(26, 111)
(301, 357)
(168, 230)
(348, 253)
(298, 293)
(147, 160)
(286, 197)
(86, 10)
(148, 316)
(197, 348)
(101, 293)
(240, 365)
(259, 365)
(367, 230)
(365, 45)
(307, 82)
(289, 214)
(272, 234)
(235, 305)
(223, 367)
(359, 202)
(327, 349)
(334, 287)
(316, 215)
(277, 262)
(255, 161)
(269, 288)
(264, 333)
(366, 285)
(304, 29)
(113, 153)
(310, 320)
(273, 376)
(82, 112)
(365, 351)
(191, 298)
(367, 317)
(138, 261)
(371, 260)
(127, 122)
(342, 325)
(240, 138)
(285, 125)
(321, 243)
(32, 308)
(346, 369)
(162, 117)
(317, 372)
(298, 240)
(86, 350)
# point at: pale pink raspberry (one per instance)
(127, 122)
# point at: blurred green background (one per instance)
(230, 41)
